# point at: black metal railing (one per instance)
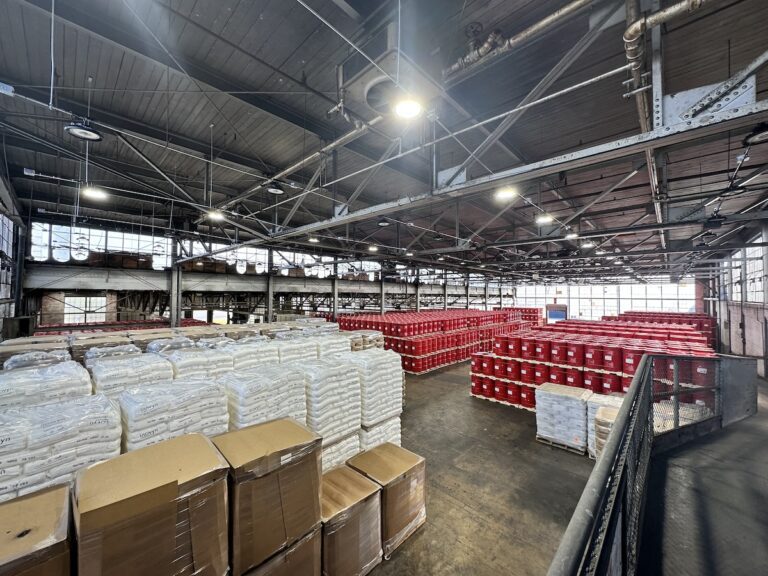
(668, 393)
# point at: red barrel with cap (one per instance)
(500, 390)
(527, 348)
(527, 397)
(593, 381)
(499, 367)
(477, 385)
(487, 364)
(513, 370)
(513, 346)
(526, 372)
(513, 393)
(542, 349)
(626, 382)
(557, 375)
(613, 359)
(703, 371)
(574, 377)
(575, 356)
(632, 358)
(488, 387)
(593, 356)
(558, 352)
(501, 345)
(611, 383)
(540, 374)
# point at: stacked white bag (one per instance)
(594, 402)
(381, 383)
(98, 352)
(386, 431)
(264, 394)
(43, 446)
(114, 374)
(296, 350)
(36, 359)
(156, 413)
(332, 344)
(339, 452)
(251, 354)
(43, 385)
(561, 414)
(198, 362)
(333, 398)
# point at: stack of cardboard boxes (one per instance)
(251, 501)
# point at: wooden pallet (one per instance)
(495, 401)
(554, 444)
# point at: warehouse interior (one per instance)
(441, 179)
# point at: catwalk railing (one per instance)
(669, 395)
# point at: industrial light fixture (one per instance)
(601, 252)
(241, 266)
(314, 239)
(198, 263)
(408, 108)
(588, 244)
(437, 237)
(373, 248)
(482, 265)
(383, 222)
(215, 215)
(506, 194)
(275, 189)
(409, 253)
(544, 218)
(441, 259)
(82, 131)
(94, 193)
(571, 236)
(758, 135)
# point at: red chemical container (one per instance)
(557, 375)
(526, 373)
(558, 352)
(501, 345)
(626, 382)
(527, 397)
(499, 367)
(542, 349)
(488, 388)
(513, 347)
(575, 355)
(477, 384)
(487, 365)
(574, 377)
(593, 381)
(540, 374)
(593, 356)
(513, 393)
(500, 390)
(611, 383)
(632, 357)
(703, 372)
(527, 348)
(513, 370)
(613, 359)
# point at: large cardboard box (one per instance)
(402, 476)
(351, 509)
(274, 488)
(159, 510)
(33, 534)
(300, 559)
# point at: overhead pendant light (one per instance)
(408, 108)
(588, 244)
(506, 194)
(198, 263)
(82, 131)
(441, 258)
(241, 266)
(373, 248)
(571, 236)
(94, 193)
(544, 218)
(758, 135)
(314, 239)
(409, 253)
(275, 189)
(215, 215)
(482, 265)
(383, 222)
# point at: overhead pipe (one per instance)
(496, 45)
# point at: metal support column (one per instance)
(18, 279)
(418, 296)
(676, 393)
(270, 286)
(486, 296)
(382, 297)
(335, 290)
(175, 296)
(501, 293)
(445, 290)
(467, 290)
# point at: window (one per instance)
(84, 309)
(754, 274)
(41, 241)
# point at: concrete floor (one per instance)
(707, 511)
(498, 501)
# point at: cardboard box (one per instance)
(351, 509)
(274, 488)
(160, 510)
(301, 559)
(33, 534)
(402, 476)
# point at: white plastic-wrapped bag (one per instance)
(381, 383)
(339, 452)
(386, 431)
(110, 352)
(251, 354)
(36, 359)
(215, 342)
(296, 349)
(43, 385)
(113, 374)
(168, 344)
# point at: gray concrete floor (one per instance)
(498, 501)
(707, 510)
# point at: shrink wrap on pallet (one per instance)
(36, 359)
(247, 354)
(594, 402)
(561, 415)
(341, 451)
(45, 445)
(156, 413)
(331, 344)
(387, 431)
(267, 393)
(381, 383)
(664, 414)
(333, 398)
(215, 342)
(605, 416)
(114, 374)
(43, 385)
(98, 352)
(192, 362)
(296, 350)
(169, 344)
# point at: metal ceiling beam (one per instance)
(300, 199)
(149, 50)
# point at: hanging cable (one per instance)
(53, 63)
